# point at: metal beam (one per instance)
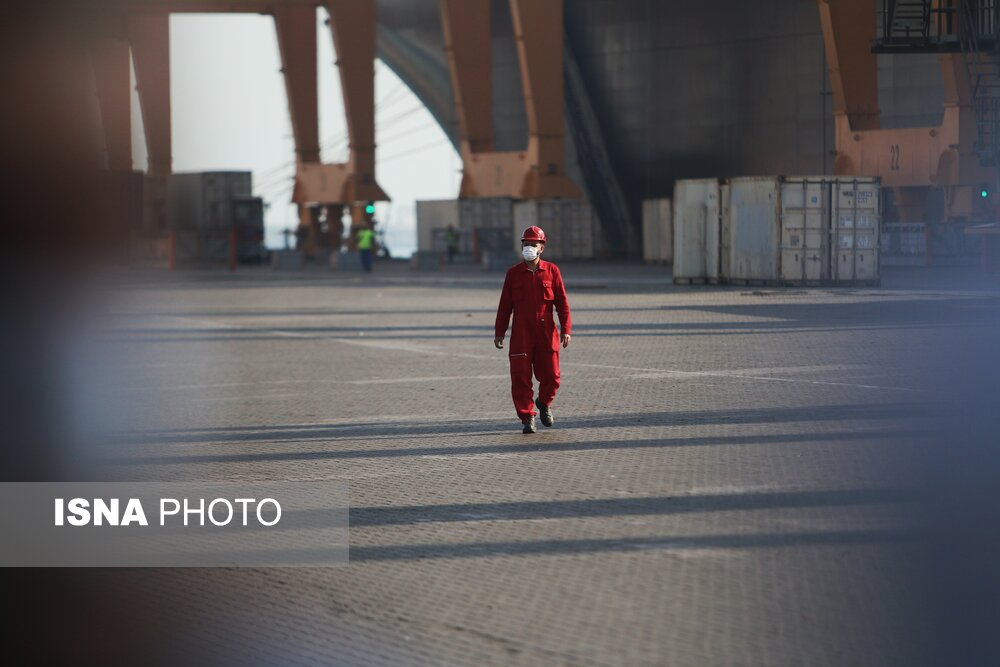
(538, 31)
(848, 31)
(468, 46)
(296, 29)
(539, 171)
(352, 25)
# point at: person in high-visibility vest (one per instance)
(366, 246)
(531, 290)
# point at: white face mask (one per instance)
(530, 253)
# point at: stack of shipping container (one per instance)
(207, 209)
(489, 229)
(777, 230)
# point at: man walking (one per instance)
(530, 290)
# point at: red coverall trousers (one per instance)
(534, 340)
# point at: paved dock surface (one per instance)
(728, 482)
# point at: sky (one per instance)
(229, 112)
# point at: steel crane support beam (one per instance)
(149, 35)
(352, 24)
(912, 159)
(468, 46)
(538, 31)
(848, 30)
(539, 171)
(110, 57)
(296, 29)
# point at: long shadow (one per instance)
(367, 517)
(578, 332)
(603, 507)
(534, 446)
(583, 328)
(853, 412)
(361, 554)
(784, 317)
(666, 542)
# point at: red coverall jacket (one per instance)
(534, 340)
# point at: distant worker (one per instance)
(530, 290)
(451, 239)
(366, 246)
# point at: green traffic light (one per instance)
(370, 208)
(984, 193)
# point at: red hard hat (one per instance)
(533, 234)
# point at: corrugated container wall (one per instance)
(569, 226)
(466, 215)
(203, 200)
(805, 238)
(750, 230)
(696, 229)
(433, 215)
(657, 231)
(803, 229)
(855, 221)
(830, 229)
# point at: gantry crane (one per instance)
(958, 157)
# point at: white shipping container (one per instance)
(486, 213)
(657, 230)
(465, 215)
(435, 214)
(696, 229)
(805, 247)
(855, 222)
(203, 200)
(569, 227)
(750, 230)
(775, 229)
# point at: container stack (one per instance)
(478, 222)
(657, 231)
(568, 223)
(777, 230)
(696, 230)
(204, 209)
(204, 200)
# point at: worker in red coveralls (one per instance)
(530, 290)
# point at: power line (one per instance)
(417, 149)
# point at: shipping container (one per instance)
(570, 227)
(696, 226)
(750, 230)
(903, 244)
(432, 215)
(203, 200)
(805, 238)
(248, 223)
(855, 220)
(794, 230)
(657, 231)
(494, 213)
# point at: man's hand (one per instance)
(498, 343)
(565, 340)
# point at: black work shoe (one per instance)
(529, 426)
(544, 413)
